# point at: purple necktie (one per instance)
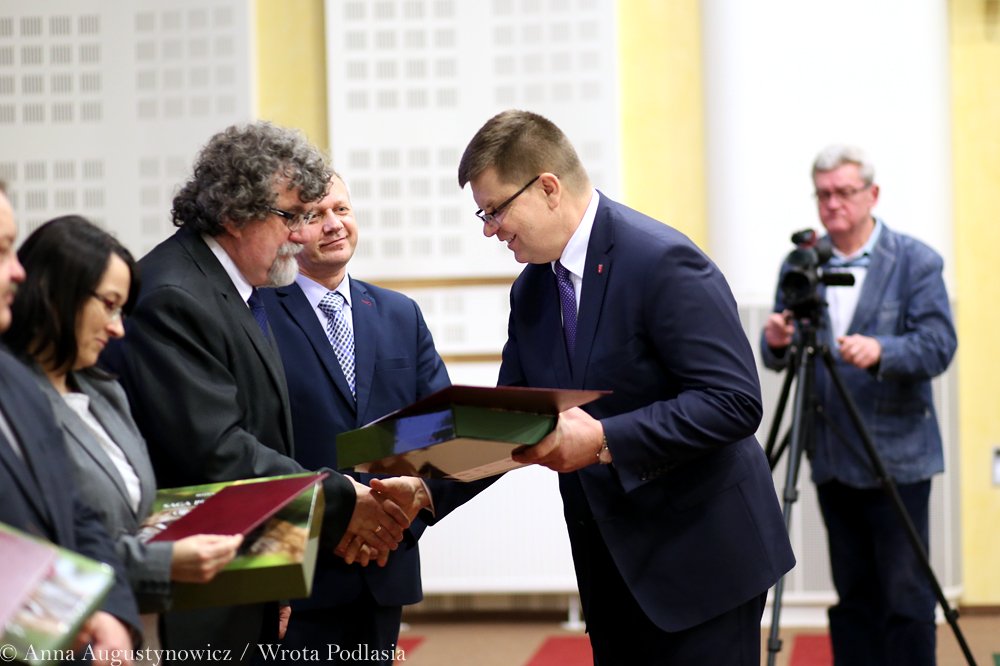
(567, 299)
(259, 313)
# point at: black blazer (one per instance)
(208, 392)
(688, 511)
(38, 494)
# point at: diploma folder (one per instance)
(238, 509)
(461, 433)
(47, 600)
(277, 559)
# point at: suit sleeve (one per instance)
(174, 368)
(693, 336)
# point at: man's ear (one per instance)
(552, 187)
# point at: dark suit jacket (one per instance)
(395, 364)
(207, 389)
(688, 509)
(38, 495)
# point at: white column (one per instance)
(784, 78)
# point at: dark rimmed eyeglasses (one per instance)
(491, 217)
(842, 193)
(294, 221)
(115, 311)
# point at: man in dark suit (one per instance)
(673, 520)
(393, 364)
(37, 495)
(198, 361)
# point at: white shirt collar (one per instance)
(241, 283)
(315, 292)
(574, 255)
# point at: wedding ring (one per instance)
(378, 529)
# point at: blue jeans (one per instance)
(885, 612)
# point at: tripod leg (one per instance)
(889, 486)
(779, 413)
(800, 431)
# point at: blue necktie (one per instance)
(339, 333)
(567, 299)
(259, 313)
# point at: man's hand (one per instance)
(196, 559)
(377, 522)
(779, 330)
(108, 638)
(284, 614)
(408, 492)
(860, 350)
(574, 444)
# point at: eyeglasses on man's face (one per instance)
(114, 310)
(842, 193)
(493, 216)
(294, 221)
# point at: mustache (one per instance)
(288, 249)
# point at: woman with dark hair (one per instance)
(80, 283)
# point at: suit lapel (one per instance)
(301, 312)
(237, 311)
(595, 282)
(364, 313)
(883, 263)
(544, 321)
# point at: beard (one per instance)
(285, 267)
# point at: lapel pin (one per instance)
(600, 268)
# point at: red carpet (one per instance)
(564, 651)
(811, 650)
(408, 644)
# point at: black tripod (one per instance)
(800, 437)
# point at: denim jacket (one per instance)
(904, 305)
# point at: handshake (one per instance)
(381, 513)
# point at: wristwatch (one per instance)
(604, 455)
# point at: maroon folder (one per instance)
(238, 509)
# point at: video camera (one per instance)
(805, 273)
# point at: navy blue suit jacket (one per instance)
(395, 365)
(38, 495)
(688, 509)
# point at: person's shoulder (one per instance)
(634, 226)
(383, 296)
(905, 245)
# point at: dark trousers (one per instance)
(622, 634)
(361, 631)
(885, 612)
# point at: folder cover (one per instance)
(238, 509)
(461, 433)
(276, 561)
(67, 588)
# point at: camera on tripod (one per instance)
(804, 274)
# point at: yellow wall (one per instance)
(662, 129)
(291, 66)
(975, 70)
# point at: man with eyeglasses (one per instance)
(890, 333)
(354, 352)
(199, 364)
(674, 524)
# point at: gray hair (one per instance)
(234, 176)
(520, 145)
(837, 155)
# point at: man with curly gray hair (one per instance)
(199, 363)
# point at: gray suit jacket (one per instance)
(102, 487)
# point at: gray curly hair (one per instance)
(235, 173)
